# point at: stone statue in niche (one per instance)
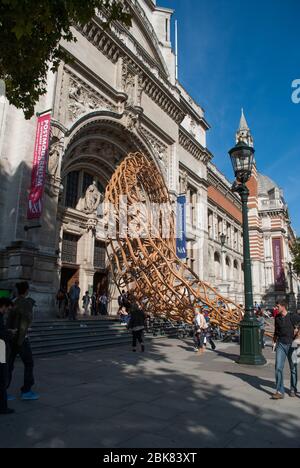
(93, 198)
(54, 157)
(184, 183)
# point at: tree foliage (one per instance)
(30, 33)
(296, 254)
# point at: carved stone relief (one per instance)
(82, 99)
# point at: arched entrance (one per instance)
(93, 152)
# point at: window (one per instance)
(72, 190)
(69, 249)
(220, 228)
(87, 181)
(210, 224)
(229, 238)
(193, 205)
(191, 256)
(217, 262)
(236, 239)
(99, 255)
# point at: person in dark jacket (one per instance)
(285, 329)
(137, 325)
(20, 319)
(5, 336)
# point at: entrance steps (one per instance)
(61, 337)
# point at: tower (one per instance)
(244, 133)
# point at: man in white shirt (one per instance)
(200, 325)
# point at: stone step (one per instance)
(61, 337)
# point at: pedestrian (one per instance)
(20, 319)
(200, 326)
(86, 303)
(137, 325)
(61, 301)
(296, 348)
(5, 336)
(94, 304)
(262, 326)
(124, 316)
(285, 331)
(122, 301)
(207, 333)
(74, 295)
(103, 304)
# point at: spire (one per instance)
(244, 133)
(243, 122)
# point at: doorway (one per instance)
(68, 277)
(101, 283)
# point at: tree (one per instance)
(296, 254)
(30, 35)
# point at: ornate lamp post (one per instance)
(223, 240)
(242, 158)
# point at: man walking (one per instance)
(20, 319)
(5, 336)
(74, 295)
(285, 326)
(137, 325)
(200, 326)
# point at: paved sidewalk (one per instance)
(168, 398)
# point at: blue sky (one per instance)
(242, 53)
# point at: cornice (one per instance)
(218, 184)
(191, 111)
(192, 175)
(193, 146)
(152, 82)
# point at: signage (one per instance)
(181, 247)
(279, 275)
(39, 169)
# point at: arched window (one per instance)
(228, 268)
(217, 261)
(236, 270)
(72, 190)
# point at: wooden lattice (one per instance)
(147, 265)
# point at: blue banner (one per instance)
(181, 247)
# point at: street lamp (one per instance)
(223, 240)
(242, 158)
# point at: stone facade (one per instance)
(118, 95)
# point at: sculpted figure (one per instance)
(92, 199)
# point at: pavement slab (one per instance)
(169, 397)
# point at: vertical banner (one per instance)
(40, 161)
(181, 247)
(279, 275)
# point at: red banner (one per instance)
(40, 161)
(279, 274)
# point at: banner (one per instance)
(40, 162)
(279, 275)
(181, 247)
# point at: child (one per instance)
(296, 347)
(5, 336)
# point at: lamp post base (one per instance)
(251, 345)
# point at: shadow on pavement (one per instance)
(165, 398)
